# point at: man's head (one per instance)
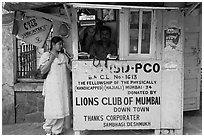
(105, 33)
(91, 30)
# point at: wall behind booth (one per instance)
(193, 60)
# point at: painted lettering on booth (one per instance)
(126, 95)
(147, 68)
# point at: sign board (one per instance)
(87, 17)
(172, 36)
(87, 20)
(34, 30)
(123, 95)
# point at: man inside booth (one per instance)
(103, 48)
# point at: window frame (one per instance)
(124, 43)
(27, 66)
(30, 77)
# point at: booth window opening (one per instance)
(140, 25)
(90, 22)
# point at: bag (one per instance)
(42, 76)
(38, 75)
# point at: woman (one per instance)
(56, 87)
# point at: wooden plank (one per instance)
(171, 99)
(191, 36)
(124, 36)
(190, 94)
(159, 34)
(74, 33)
(191, 104)
(191, 46)
(15, 59)
(200, 33)
(190, 85)
(140, 32)
(192, 21)
(67, 13)
(190, 29)
(191, 72)
(190, 107)
(190, 60)
(26, 86)
(102, 6)
(191, 100)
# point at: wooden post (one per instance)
(74, 33)
(172, 72)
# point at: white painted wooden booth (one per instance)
(141, 89)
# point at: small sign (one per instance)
(172, 36)
(87, 17)
(85, 23)
(34, 30)
(125, 95)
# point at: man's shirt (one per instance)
(100, 50)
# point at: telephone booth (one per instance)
(141, 88)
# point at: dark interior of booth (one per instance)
(89, 24)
